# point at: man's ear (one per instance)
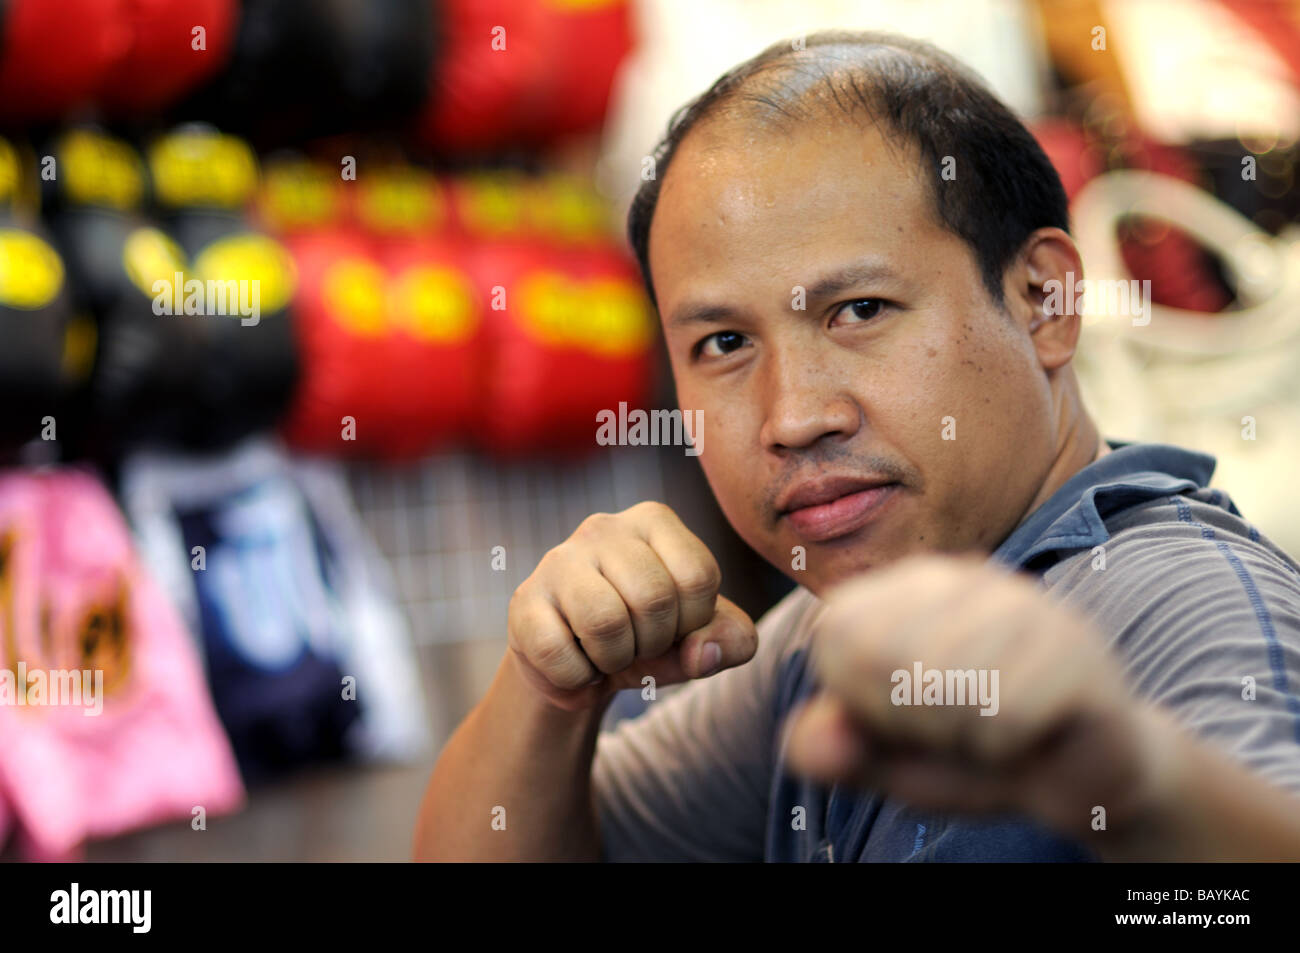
(1041, 288)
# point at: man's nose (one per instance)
(803, 403)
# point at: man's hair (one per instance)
(1004, 188)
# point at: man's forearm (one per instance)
(514, 782)
(1204, 806)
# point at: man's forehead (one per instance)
(728, 170)
(726, 199)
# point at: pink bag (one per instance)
(74, 599)
(6, 819)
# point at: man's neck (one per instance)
(1080, 444)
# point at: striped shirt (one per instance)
(1202, 611)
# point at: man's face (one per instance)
(806, 412)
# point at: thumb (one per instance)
(725, 641)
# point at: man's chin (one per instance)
(824, 568)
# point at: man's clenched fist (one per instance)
(627, 595)
(1063, 736)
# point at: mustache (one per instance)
(840, 461)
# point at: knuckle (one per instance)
(568, 679)
(525, 596)
(604, 626)
(701, 579)
(548, 565)
(515, 607)
(651, 509)
(554, 658)
(656, 603)
(523, 616)
(652, 647)
(594, 525)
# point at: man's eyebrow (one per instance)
(702, 314)
(827, 286)
(859, 273)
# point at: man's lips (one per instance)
(832, 508)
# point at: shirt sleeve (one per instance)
(689, 779)
(1207, 624)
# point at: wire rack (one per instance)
(437, 521)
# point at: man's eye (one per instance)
(864, 309)
(721, 344)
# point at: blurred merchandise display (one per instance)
(1226, 385)
(307, 657)
(338, 221)
(47, 348)
(388, 313)
(1165, 52)
(556, 80)
(159, 64)
(390, 327)
(245, 372)
(141, 744)
(56, 57)
(389, 317)
(1180, 155)
(1181, 273)
(577, 339)
(303, 68)
(460, 75)
(373, 330)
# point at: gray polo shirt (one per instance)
(1201, 610)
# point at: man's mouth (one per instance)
(825, 509)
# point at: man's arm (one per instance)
(690, 779)
(514, 781)
(1201, 805)
(1224, 778)
(1067, 741)
(628, 596)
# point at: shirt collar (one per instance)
(1073, 518)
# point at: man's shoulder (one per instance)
(791, 618)
(1203, 612)
(784, 630)
(1175, 556)
(1201, 523)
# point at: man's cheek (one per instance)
(733, 489)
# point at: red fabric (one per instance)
(481, 96)
(591, 41)
(543, 388)
(554, 76)
(434, 345)
(161, 65)
(389, 330)
(1180, 273)
(56, 55)
(341, 324)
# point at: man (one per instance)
(852, 247)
